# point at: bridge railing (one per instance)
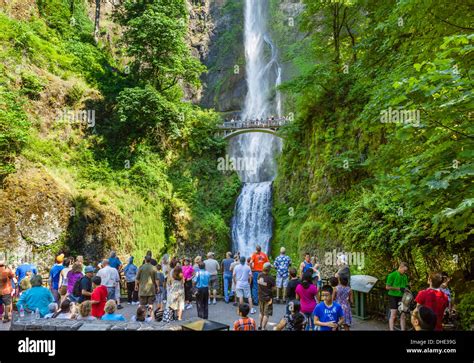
(253, 124)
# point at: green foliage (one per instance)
(395, 191)
(465, 311)
(31, 85)
(14, 126)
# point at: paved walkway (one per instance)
(227, 314)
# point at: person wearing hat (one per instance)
(212, 266)
(282, 264)
(54, 276)
(85, 284)
(6, 289)
(266, 283)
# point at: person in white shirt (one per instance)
(212, 266)
(242, 277)
(110, 278)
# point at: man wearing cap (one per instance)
(6, 277)
(54, 276)
(257, 261)
(212, 266)
(86, 284)
(265, 298)
(282, 264)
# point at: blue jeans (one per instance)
(309, 321)
(255, 287)
(227, 286)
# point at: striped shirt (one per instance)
(245, 324)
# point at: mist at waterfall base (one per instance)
(252, 222)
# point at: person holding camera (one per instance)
(396, 284)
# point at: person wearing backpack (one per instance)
(82, 290)
(72, 277)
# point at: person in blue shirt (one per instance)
(201, 283)
(24, 270)
(54, 276)
(114, 261)
(110, 309)
(36, 297)
(130, 271)
(328, 314)
(306, 264)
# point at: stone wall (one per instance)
(28, 323)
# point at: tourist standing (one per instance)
(244, 323)
(227, 276)
(236, 262)
(6, 289)
(161, 287)
(63, 283)
(83, 291)
(328, 314)
(292, 284)
(257, 260)
(37, 297)
(434, 298)
(266, 283)
(282, 264)
(110, 277)
(307, 294)
(397, 282)
(74, 275)
(98, 297)
(175, 300)
(344, 297)
(201, 282)
(344, 270)
(212, 266)
(145, 282)
(55, 275)
(25, 270)
(130, 272)
(243, 279)
(306, 264)
(188, 273)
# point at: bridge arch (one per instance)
(230, 134)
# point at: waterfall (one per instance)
(252, 222)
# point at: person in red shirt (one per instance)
(6, 276)
(98, 297)
(434, 298)
(257, 261)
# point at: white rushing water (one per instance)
(252, 223)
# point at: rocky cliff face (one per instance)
(217, 39)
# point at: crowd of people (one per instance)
(164, 290)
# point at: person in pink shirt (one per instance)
(188, 272)
(307, 294)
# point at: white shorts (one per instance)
(245, 292)
(281, 282)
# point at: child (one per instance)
(244, 323)
(343, 296)
(143, 314)
(328, 315)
